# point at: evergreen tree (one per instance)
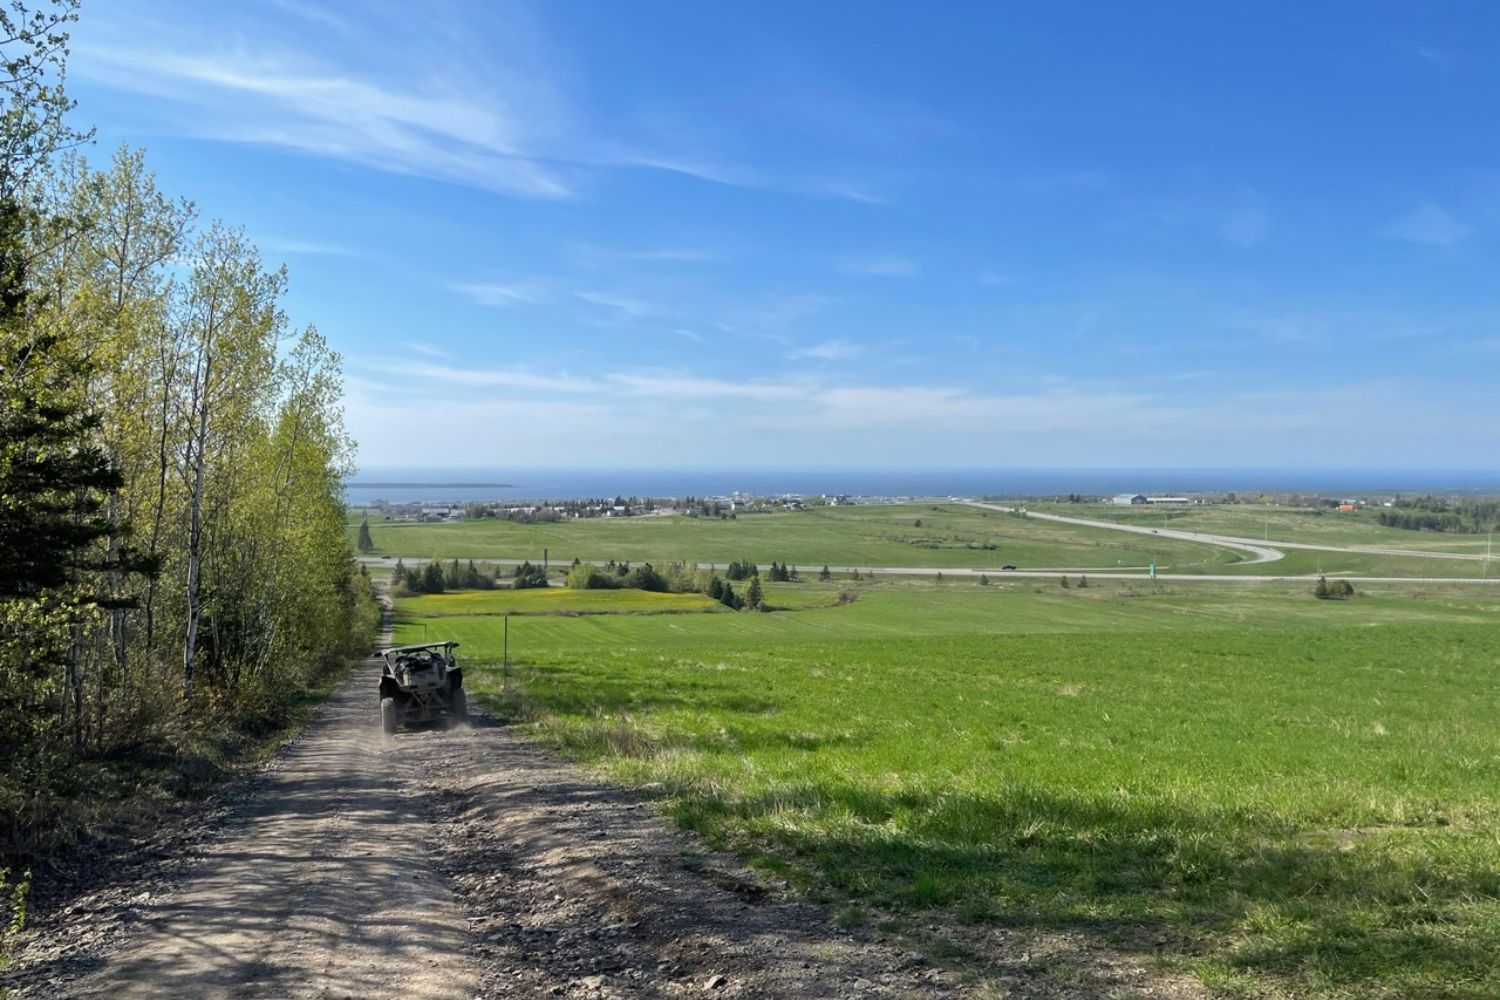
(366, 543)
(398, 575)
(1065, 583)
(825, 574)
(984, 581)
(432, 578)
(728, 598)
(1083, 581)
(754, 596)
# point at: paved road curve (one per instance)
(1264, 550)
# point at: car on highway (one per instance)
(1008, 567)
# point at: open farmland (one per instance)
(1272, 793)
(1307, 525)
(957, 536)
(874, 535)
(553, 601)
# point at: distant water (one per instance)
(460, 485)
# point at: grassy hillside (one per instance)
(1273, 792)
(1313, 526)
(949, 535)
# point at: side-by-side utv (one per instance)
(421, 684)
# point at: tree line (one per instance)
(676, 578)
(436, 577)
(173, 558)
(1466, 517)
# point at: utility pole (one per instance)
(505, 663)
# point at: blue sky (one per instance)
(849, 235)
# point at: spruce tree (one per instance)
(54, 477)
(366, 543)
(825, 574)
(754, 596)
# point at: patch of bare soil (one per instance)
(472, 863)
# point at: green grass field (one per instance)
(1274, 793)
(952, 535)
(552, 601)
(949, 535)
(1309, 525)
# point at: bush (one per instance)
(645, 577)
(587, 576)
(529, 576)
(1338, 590)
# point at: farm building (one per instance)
(1126, 499)
(1167, 500)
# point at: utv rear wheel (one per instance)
(389, 716)
(458, 709)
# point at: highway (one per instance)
(1264, 550)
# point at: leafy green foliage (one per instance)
(174, 570)
(529, 575)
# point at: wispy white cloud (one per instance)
(829, 350)
(684, 254)
(499, 378)
(603, 417)
(440, 128)
(493, 294)
(307, 248)
(853, 192)
(879, 267)
(631, 307)
(430, 350)
(1433, 57)
(1430, 224)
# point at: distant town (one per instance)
(734, 504)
